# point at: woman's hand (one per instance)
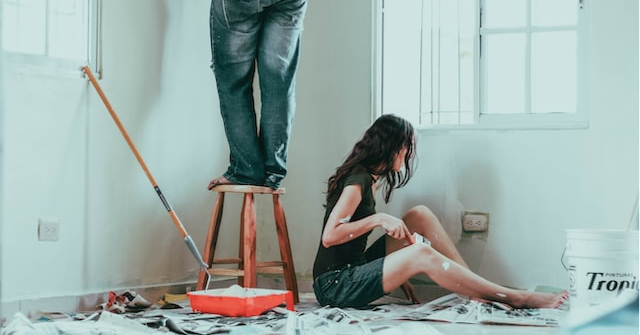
(392, 225)
(410, 292)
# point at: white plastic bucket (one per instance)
(600, 263)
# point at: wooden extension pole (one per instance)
(188, 240)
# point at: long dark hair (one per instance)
(376, 152)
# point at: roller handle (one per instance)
(176, 221)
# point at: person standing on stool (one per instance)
(246, 34)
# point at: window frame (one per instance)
(483, 121)
(28, 63)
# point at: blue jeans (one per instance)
(266, 34)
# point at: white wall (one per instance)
(66, 160)
(334, 109)
(63, 157)
(537, 184)
(1, 152)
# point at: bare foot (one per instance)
(218, 181)
(540, 300)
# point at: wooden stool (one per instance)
(248, 268)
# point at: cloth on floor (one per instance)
(127, 301)
(99, 323)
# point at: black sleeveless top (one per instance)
(351, 252)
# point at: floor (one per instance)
(308, 318)
(463, 329)
(442, 314)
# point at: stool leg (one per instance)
(249, 243)
(285, 247)
(212, 239)
(240, 279)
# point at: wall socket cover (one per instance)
(48, 230)
(475, 222)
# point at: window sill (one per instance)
(551, 121)
(503, 127)
(32, 65)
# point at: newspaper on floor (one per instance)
(457, 309)
(545, 317)
(450, 308)
(279, 320)
(184, 321)
(308, 319)
(98, 323)
(332, 320)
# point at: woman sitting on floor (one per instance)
(347, 275)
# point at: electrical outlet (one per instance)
(474, 222)
(48, 230)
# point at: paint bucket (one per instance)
(600, 263)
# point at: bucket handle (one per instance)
(564, 251)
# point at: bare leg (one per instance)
(421, 219)
(419, 258)
(442, 263)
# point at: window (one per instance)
(51, 33)
(483, 64)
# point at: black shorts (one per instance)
(353, 285)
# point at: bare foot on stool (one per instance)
(218, 181)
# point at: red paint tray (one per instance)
(239, 301)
